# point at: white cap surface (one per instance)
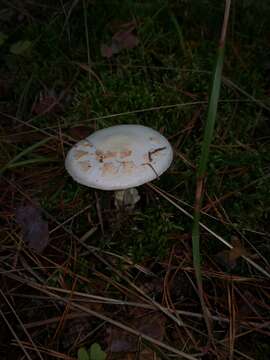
(119, 157)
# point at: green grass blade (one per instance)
(31, 162)
(23, 153)
(201, 173)
(212, 112)
(207, 138)
(87, 37)
(179, 33)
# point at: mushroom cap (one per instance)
(119, 157)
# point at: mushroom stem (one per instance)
(126, 199)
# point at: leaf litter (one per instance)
(122, 39)
(35, 230)
(229, 258)
(148, 323)
(181, 291)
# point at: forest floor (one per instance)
(83, 280)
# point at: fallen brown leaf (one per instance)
(151, 325)
(80, 132)
(35, 229)
(108, 51)
(126, 39)
(228, 258)
(123, 39)
(145, 354)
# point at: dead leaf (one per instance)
(76, 329)
(109, 51)
(148, 354)
(116, 25)
(153, 287)
(35, 229)
(80, 132)
(228, 258)
(123, 39)
(121, 341)
(145, 354)
(126, 39)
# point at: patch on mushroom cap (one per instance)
(108, 154)
(108, 169)
(80, 153)
(127, 167)
(103, 155)
(85, 165)
(125, 153)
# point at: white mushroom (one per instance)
(120, 158)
